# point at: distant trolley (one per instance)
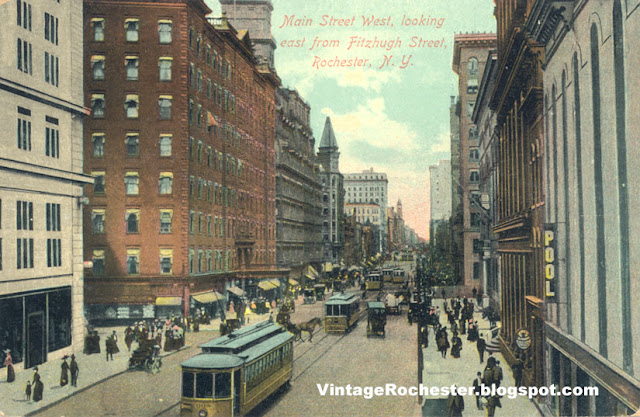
(341, 313)
(387, 274)
(373, 282)
(236, 372)
(398, 276)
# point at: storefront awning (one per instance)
(293, 282)
(207, 297)
(236, 290)
(269, 285)
(168, 301)
(311, 277)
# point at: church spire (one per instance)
(328, 137)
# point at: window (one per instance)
(200, 260)
(132, 144)
(164, 107)
(165, 145)
(165, 182)
(98, 217)
(133, 261)
(97, 105)
(209, 87)
(98, 182)
(97, 65)
(51, 69)
(98, 262)
(131, 105)
(200, 222)
(164, 68)
(24, 215)
(472, 68)
(470, 106)
(97, 140)
(54, 253)
(191, 256)
(164, 31)
(472, 86)
(191, 114)
(166, 217)
(199, 116)
(474, 176)
(25, 56)
(131, 64)
(473, 155)
(198, 45)
(473, 133)
(24, 129)
(131, 27)
(191, 37)
(98, 29)
(192, 75)
(24, 14)
(131, 181)
(132, 219)
(24, 253)
(166, 261)
(199, 81)
(192, 222)
(51, 28)
(52, 217)
(209, 224)
(199, 151)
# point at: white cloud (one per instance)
(443, 143)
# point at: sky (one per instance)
(392, 119)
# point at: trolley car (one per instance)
(387, 274)
(341, 313)
(398, 276)
(376, 319)
(236, 372)
(373, 282)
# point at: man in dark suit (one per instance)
(477, 391)
(481, 345)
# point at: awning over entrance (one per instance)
(311, 277)
(293, 282)
(269, 285)
(236, 290)
(168, 301)
(207, 297)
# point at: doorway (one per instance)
(36, 352)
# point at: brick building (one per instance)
(180, 143)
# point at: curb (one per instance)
(93, 384)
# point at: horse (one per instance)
(309, 327)
(293, 328)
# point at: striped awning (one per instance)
(168, 301)
(236, 290)
(207, 297)
(269, 285)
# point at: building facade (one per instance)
(180, 144)
(41, 181)
(332, 196)
(369, 187)
(298, 188)
(517, 101)
(439, 194)
(592, 323)
(469, 59)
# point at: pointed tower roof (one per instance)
(328, 137)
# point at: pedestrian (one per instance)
(38, 387)
(27, 391)
(477, 390)
(444, 295)
(8, 362)
(492, 403)
(108, 348)
(481, 345)
(64, 372)
(456, 405)
(73, 367)
(517, 367)
(456, 347)
(128, 337)
(114, 340)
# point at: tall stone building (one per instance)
(298, 188)
(254, 16)
(589, 154)
(180, 143)
(332, 195)
(370, 187)
(439, 194)
(468, 62)
(41, 181)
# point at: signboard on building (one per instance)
(523, 339)
(550, 264)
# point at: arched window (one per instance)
(472, 76)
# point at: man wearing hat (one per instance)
(74, 371)
(64, 374)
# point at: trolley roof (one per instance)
(373, 305)
(213, 361)
(342, 299)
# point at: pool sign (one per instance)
(550, 260)
(523, 339)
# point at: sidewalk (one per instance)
(94, 369)
(462, 371)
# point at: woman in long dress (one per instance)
(64, 373)
(38, 387)
(8, 362)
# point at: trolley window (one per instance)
(223, 385)
(187, 384)
(204, 385)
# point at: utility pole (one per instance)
(420, 322)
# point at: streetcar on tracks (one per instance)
(341, 313)
(373, 282)
(387, 274)
(235, 373)
(376, 319)
(398, 276)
